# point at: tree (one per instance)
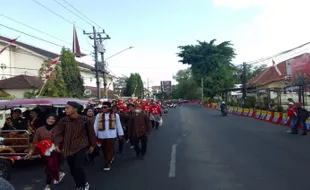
(251, 71)
(212, 63)
(186, 87)
(55, 85)
(134, 86)
(71, 74)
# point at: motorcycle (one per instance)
(224, 112)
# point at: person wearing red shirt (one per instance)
(156, 114)
(291, 113)
(145, 107)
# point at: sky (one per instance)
(257, 28)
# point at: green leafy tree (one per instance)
(187, 86)
(134, 86)
(55, 85)
(212, 63)
(251, 71)
(71, 74)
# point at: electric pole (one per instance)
(148, 88)
(93, 36)
(101, 39)
(243, 83)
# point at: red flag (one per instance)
(76, 46)
(10, 43)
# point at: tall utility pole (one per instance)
(202, 89)
(93, 36)
(101, 39)
(243, 83)
(148, 88)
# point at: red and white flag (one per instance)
(10, 43)
(52, 67)
(76, 45)
(46, 147)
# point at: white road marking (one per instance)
(173, 161)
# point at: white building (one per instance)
(25, 59)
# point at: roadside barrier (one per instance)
(268, 116)
(258, 113)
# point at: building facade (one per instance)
(24, 59)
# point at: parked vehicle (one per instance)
(14, 148)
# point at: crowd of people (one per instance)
(79, 134)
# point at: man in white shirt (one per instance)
(107, 128)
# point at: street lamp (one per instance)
(119, 52)
(105, 64)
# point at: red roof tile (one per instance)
(270, 74)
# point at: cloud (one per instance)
(280, 25)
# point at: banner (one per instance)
(251, 113)
(245, 111)
(285, 119)
(269, 116)
(263, 115)
(240, 110)
(276, 117)
(257, 115)
(300, 68)
(235, 110)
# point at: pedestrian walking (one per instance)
(302, 116)
(139, 128)
(75, 135)
(291, 113)
(52, 168)
(107, 128)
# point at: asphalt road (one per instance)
(197, 149)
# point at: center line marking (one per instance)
(173, 161)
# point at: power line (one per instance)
(32, 36)
(81, 13)
(278, 54)
(57, 14)
(72, 12)
(38, 30)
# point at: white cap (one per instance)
(291, 103)
(99, 107)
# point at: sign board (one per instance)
(166, 86)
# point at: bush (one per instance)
(250, 101)
(279, 108)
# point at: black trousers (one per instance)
(140, 150)
(155, 124)
(76, 163)
(121, 145)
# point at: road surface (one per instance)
(197, 149)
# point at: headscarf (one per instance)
(47, 126)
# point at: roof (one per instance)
(43, 52)
(21, 82)
(271, 75)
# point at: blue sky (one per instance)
(157, 28)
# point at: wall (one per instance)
(17, 93)
(23, 62)
(89, 78)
